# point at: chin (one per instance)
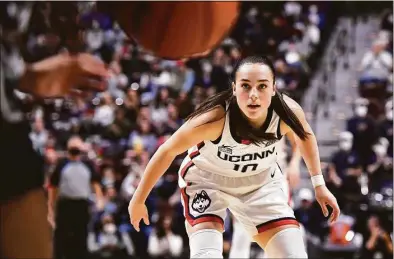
(253, 115)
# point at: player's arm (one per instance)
(295, 152)
(310, 153)
(308, 148)
(207, 126)
(293, 167)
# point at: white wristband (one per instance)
(317, 180)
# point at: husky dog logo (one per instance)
(201, 202)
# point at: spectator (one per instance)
(39, 136)
(109, 241)
(376, 64)
(381, 167)
(143, 138)
(386, 127)
(345, 168)
(69, 193)
(104, 114)
(377, 241)
(163, 243)
(363, 129)
(94, 37)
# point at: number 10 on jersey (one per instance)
(244, 168)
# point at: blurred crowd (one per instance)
(148, 98)
(360, 173)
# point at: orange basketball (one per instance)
(174, 30)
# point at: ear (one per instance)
(233, 87)
(274, 88)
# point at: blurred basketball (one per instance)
(174, 30)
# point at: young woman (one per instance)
(232, 141)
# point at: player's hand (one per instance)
(63, 74)
(138, 211)
(324, 197)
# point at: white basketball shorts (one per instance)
(259, 202)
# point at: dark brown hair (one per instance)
(243, 129)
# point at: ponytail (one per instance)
(287, 115)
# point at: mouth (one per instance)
(253, 106)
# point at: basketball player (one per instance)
(232, 141)
(24, 230)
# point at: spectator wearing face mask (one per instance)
(364, 130)
(344, 168)
(380, 169)
(105, 114)
(71, 184)
(109, 239)
(386, 127)
(163, 242)
(94, 37)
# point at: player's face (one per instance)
(253, 89)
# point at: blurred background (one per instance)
(335, 58)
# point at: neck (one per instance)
(258, 122)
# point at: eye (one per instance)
(262, 86)
(245, 86)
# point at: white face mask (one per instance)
(345, 145)
(12, 9)
(228, 69)
(122, 80)
(292, 57)
(380, 150)
(207, 67)
(109, 228)
(389, 115)
(361, 111)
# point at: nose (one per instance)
(253, 94)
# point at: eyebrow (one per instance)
(261, 80)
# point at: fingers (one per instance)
(334, 205)
(336, 211)
(146, 219)
(90, 65)
(91, 83)
(136, 225)
(324, 208)
(136, 222)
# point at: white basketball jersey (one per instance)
(230, 156)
